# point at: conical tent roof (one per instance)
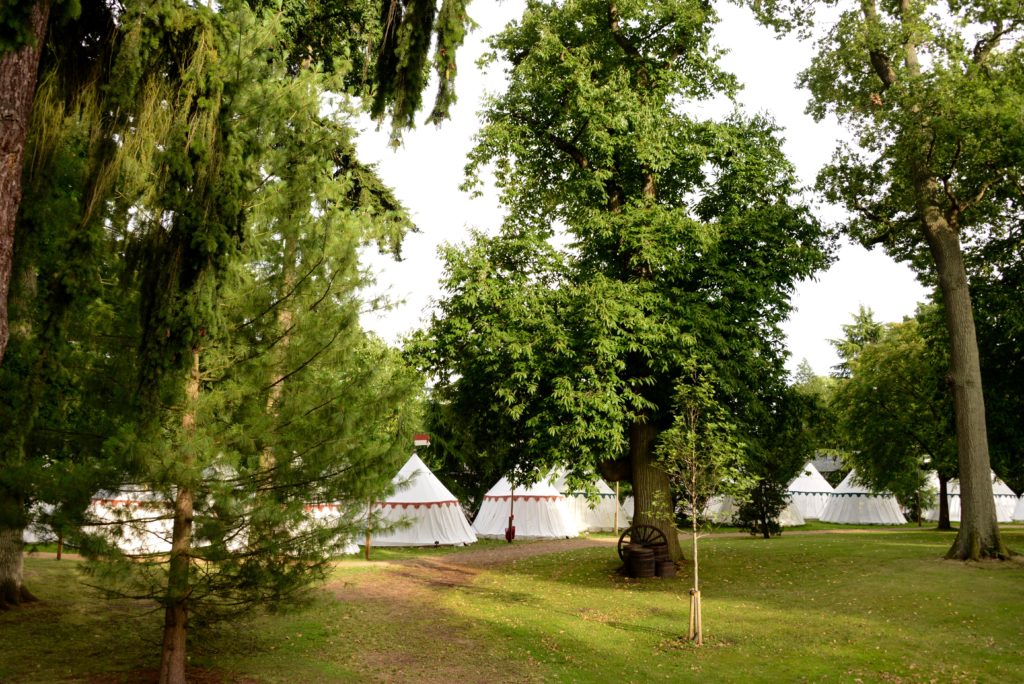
(433, 514)
(1000, 488)
(811, 481)
(416, 483)
(854, 504)
(851, 485)
(540, 512)
(559, 483)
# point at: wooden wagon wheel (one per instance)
(645, 535)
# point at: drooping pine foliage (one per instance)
(59, 393)
(382, 47)
(408, 27)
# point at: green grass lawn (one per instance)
(872, 606)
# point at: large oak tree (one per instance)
(683, 241)
(931, 93)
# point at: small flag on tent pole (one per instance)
(421, 439)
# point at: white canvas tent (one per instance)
(600, 515)
(722, 510)
(627, 508)
(434, 515)
(854, 504)
(1005, 500)
(540, 512)
(810, 491)
(1018, 511)
(137, 521)
(791, 516)
(327, 514)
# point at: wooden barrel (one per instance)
(665, 568)
(660, 552)
(641, 561)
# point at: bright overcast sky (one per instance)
(427, 170)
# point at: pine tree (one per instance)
(258, 393)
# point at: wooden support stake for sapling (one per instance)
(369, 512)
(696, 632)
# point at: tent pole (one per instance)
(510, 532)
(616, 507)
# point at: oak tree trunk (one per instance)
(18, 73)
(944, 503)
(652, 493)
(12, 587)
(978, 536)
(173, 657)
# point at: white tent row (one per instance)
(1005, 500)
(601, 515)
(810, 491)
(141, 523)
(1018, 511)
(722, 510)
(854, 504)
(540, 512)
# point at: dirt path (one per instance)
(403, 602)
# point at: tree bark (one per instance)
(944, 503)
(12, 588)
(652, 493)
(173, 656)
(18, 73)
(978, 536)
